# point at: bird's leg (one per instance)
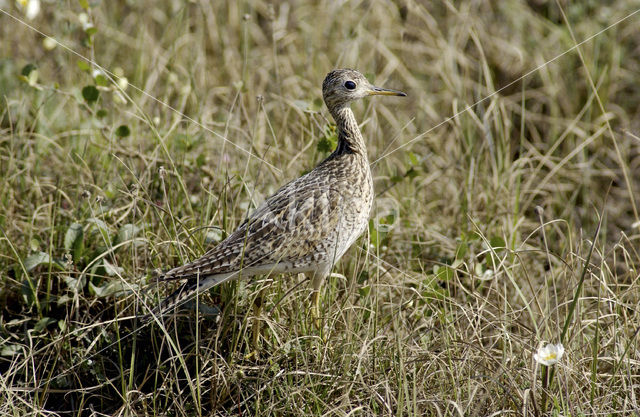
(257, 313)
(315, 308)
(316, 281)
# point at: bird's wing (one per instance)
(291, 225)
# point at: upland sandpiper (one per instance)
(308, 224)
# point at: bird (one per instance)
(309, 223)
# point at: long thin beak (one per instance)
(377, 91)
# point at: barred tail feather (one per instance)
(186, 292)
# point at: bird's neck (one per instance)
(350, 139)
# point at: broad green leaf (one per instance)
(112, 288)
(75, 284)
(111, 269)
(43, 323)
(11, 350)
(73, 240)
(444, 273)
(63, 299)
(35, 260)
(28, 290)
(127, 232)
(101, 226)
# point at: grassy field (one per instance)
(506, 213)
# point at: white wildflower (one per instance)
(31, 8)
(549, 354)
(83, 18)
(97, 72)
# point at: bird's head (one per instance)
(344, 85)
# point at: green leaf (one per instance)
(376, 236)
(101, 80)
(461, 250)
(444, 273)
(413, 158)
(497, 242)
(201, 159)
(123, 131)
(327, 144)
(36, 259)
(114, 287)
(90, 93)
(11, 350)
(412, 173)
(84, 4)
(43, 323)
(34, 244)
(73, 240)
(84, 65)
(100, 225)
(111, 269)
(364, 291)
(396, 179)
(127, 232)
(75, 284)
(74, 232)
(91, 30)
(434, 291)
(28, 290)
(101, 114)
(63, 299)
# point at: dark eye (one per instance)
(350, 85)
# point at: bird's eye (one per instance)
(350, 85)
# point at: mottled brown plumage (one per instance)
(308, 224)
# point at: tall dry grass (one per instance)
(478, 244)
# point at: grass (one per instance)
(511, 224)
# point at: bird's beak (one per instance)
(377, 91)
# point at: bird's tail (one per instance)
(187, 291)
